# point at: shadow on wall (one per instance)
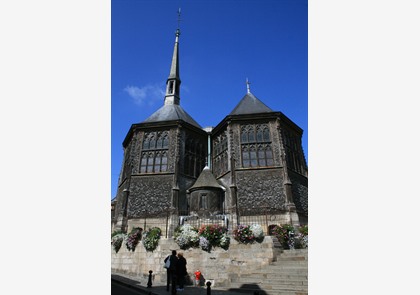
(252, 288)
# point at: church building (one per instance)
(249, 168)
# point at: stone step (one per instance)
(281, 263)
(293, 264)
(288, 275)
(294, 251)
(279, 269)
(283, 292)
(273, 276)
(292, 258)
(276, 271)
(285, 261)
(302, 275)
(271, 292)
(285, 287)
(282, 276)
(268, 289)
(273, 282)
(281, 256)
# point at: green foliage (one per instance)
(303, 229)
(151, 238)
(116, 232)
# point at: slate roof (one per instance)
(170, 113)
(250, 104)
(206, 179)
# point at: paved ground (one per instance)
(141, 287)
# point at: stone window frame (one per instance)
(194, 157)
(220, 154)
(154, 155)
(291, 146)
(256, 146)
(203, 201)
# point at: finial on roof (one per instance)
(248, 88)
(178, 31)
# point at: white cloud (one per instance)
(147, 94)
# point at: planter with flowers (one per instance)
(186, 236)
(117, 238)
(151, 238)
(206, 237)
(288, 238)
(133, 238)
(213, 235)
(301, 239)
(248, 233)
(284, 234)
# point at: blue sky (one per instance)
(221, 44)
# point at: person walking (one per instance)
(181, 271)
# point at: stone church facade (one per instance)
(250, 167)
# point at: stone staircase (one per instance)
(288, 275)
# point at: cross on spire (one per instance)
(248, 88)
(179, 16)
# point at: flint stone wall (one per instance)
(258, 187)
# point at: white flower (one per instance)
(257, 231)
(187, 237)
(204, 244)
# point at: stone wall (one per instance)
(300, 192)
(260, 188)
(149, 194)
(219, 266)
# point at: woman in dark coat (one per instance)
(181, 271)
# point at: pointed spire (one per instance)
(173, 83)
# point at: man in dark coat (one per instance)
(181, 271)
(172, 273)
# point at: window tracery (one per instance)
(256, 147)
(154, 156)
(220, 154)
(194, 157)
